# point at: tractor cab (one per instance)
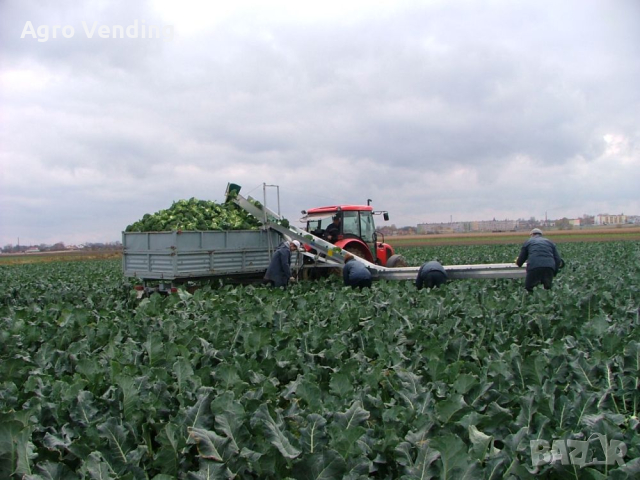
(355, 230)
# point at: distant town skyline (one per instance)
(461, 227)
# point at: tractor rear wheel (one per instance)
(357, 251)
(396, 261)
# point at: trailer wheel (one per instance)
(396, 261)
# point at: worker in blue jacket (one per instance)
(279, 271)
(543, 260)
(355, 274)
(431, 274)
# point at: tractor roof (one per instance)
(335, 208)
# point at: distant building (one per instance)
(406, 231)
(32, 250)
(465, 227)
(606, 219)
(497, 225)
(575, 222)
(432, 228)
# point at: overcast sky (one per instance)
(436, 110)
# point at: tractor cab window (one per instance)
(367, 227)
(317, 226)
(355, 223)
(350, 224)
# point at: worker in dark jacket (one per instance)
(543, 260)
(431, 274)
(333, 230)
(355, 274)
(279, 271)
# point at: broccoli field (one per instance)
(321, 381)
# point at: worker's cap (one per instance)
(536, 231)
(297, 244)
(336, 217)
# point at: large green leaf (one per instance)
(210, 471)
(482, 444)
(183, 372)
(275, 432)
(199, 414)
(353, 417)
(446, 409)
(154, 347)
(464, 383)
(167, 457)
(325, 465)
(16, 448)
(52, 471)
(340, 384)
(130, 395)
(122, 455)
(453, 456)
(417, 468)
(96, 467)
(314, 435)
(211, 446)
(85, 411)
(233, 430)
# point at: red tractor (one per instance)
(351, 227)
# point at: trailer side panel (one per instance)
(193, 255)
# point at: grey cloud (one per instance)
(84, 50)
(371, 105)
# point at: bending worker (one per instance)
(279, 271)
(543, 260)
(355, 274)
(431, 274)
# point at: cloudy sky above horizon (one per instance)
(436, 110)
